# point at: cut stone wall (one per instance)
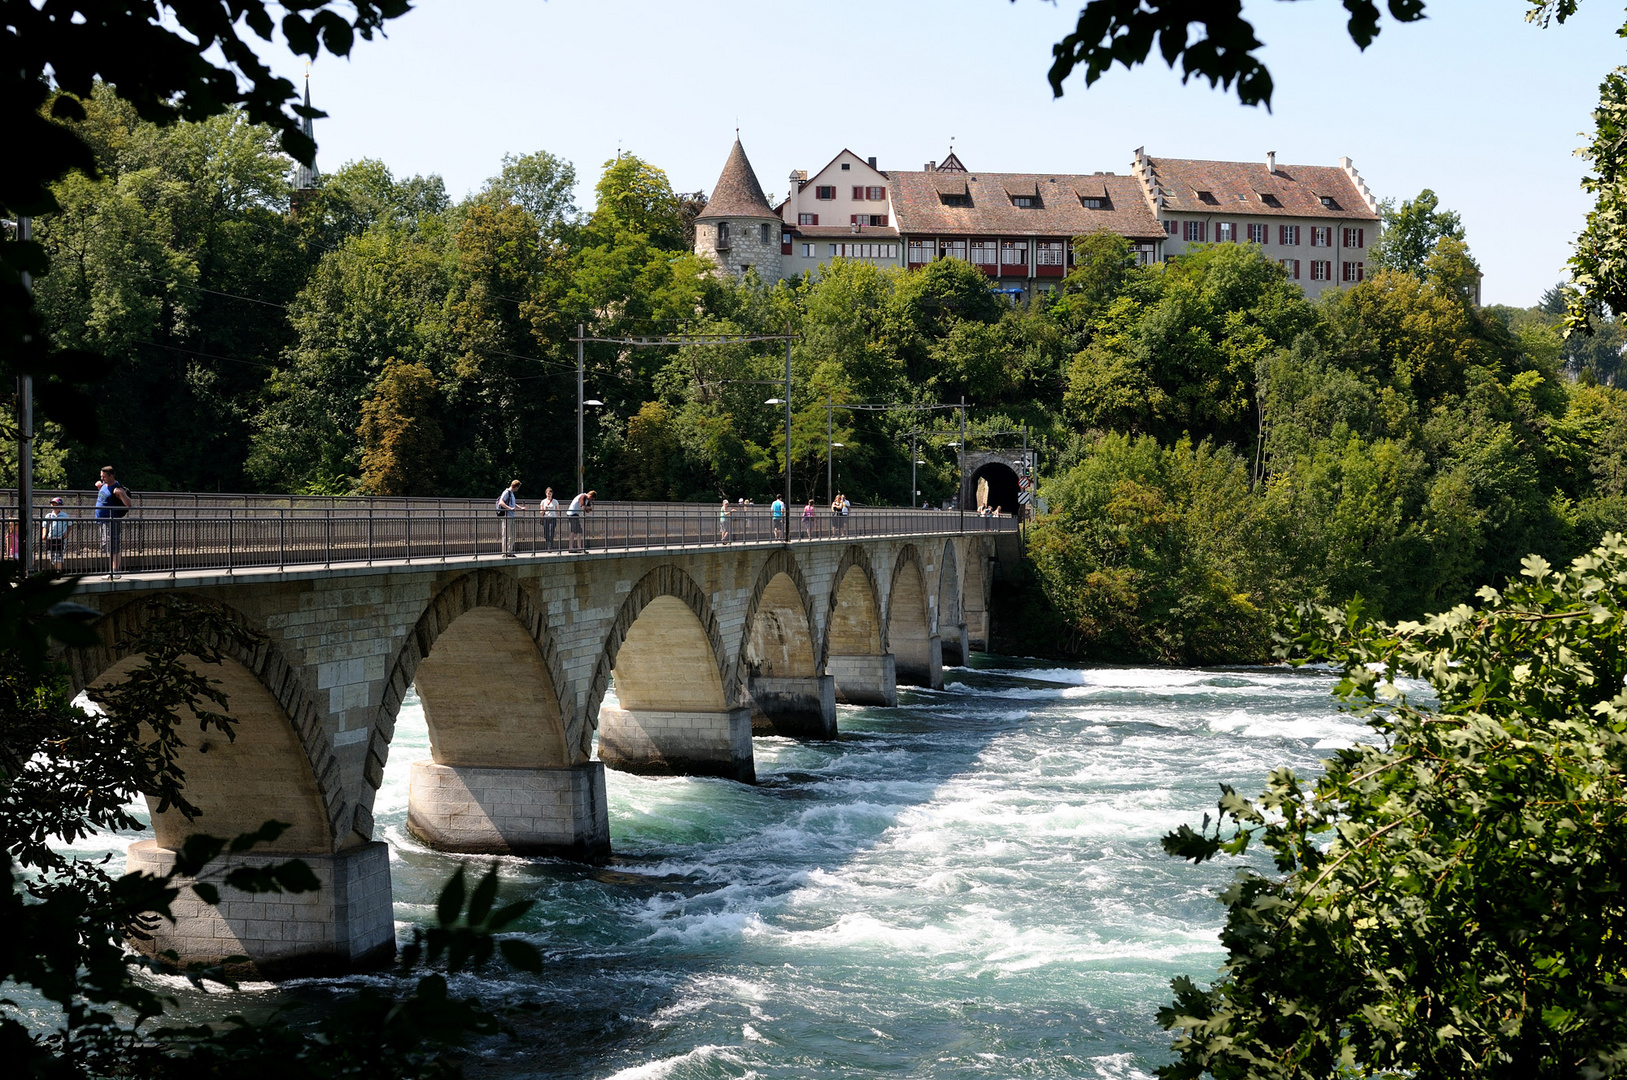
(745, 247)
(348, 924)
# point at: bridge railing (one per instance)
(175, 534)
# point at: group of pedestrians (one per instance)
(780, 520)
(113, 502)
(575, 512)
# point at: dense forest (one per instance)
(1214, 444)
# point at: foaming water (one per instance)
(969, 885)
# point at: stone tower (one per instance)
(738, 228)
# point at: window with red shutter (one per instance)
(858, 194)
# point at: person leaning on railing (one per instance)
(576, 512)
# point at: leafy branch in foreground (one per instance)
(1448, 901)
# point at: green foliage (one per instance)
(1147, 554)
(1411, 232)
(1446, 901)
(400, 433)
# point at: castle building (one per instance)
(1317, 222)
(738, 228)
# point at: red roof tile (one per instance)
(919, 206)
(1241, 187)
(737, 194)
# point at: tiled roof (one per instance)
(1241, 187)
(737, 192)
(919, 207)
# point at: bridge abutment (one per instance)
(864, 680)
(347, 925)
(669, 743)
(494, 810)
(801, 707)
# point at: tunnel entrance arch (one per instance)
(1001, 469)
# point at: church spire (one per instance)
(305, 176)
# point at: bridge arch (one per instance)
(778, 638)
(855, 638)
(667, 609)
(909, 623)
(679, 709)
(781, 656)
(278, 763)
(494, 693)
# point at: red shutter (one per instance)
(853, 219)
(1361, 238)
(816, 219)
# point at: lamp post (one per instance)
(581, 332)
(786, 401)
(25, 439)
(960, 500)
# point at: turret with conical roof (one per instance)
(738, 228)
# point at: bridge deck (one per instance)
(199, 536)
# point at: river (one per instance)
(968, 885)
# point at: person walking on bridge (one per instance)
(507, 506)
(576, 512)
(776, 510)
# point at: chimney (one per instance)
(931, 165)
(1271, 162)
(872, 162)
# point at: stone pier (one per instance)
(864, 680)
(490, 810)
(801, 707)
(348, 924)
(668, 743)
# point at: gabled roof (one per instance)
(951, 163)
(1241, 187)
(737, 192)
(919, 208)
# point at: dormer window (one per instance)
(1208, 197)
(1270, 199)
(1330, 202)
(1095, 202)
(1025, 202)
(955, 198)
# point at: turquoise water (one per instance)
(969, 885)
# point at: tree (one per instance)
(1599, 264)
(540, 183)
(1446, 901)
(162, 57)
(401, 432)
(1411, 233)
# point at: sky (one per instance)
(1473, 103)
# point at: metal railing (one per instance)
(171, 533)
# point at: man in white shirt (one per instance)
(576, 511)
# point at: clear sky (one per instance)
(1473, 103)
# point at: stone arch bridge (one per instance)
(514, 662)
